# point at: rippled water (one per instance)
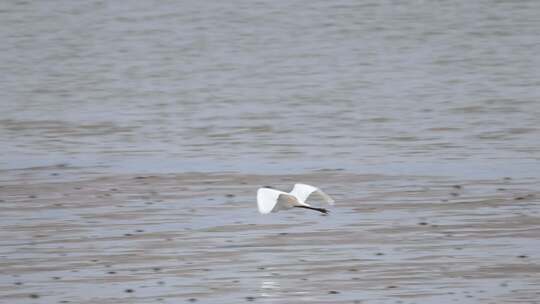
(419, 87)
(421, 118)
(198, 237)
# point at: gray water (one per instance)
(416, 87)
(133, 137)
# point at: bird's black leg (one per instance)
(321, 210)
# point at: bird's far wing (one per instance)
(303, 191)
(271, 200)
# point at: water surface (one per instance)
(134, 136)
(378, 87)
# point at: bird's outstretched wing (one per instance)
(271, 200)
(303, 191)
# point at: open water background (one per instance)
(416, 87)
(133, 136)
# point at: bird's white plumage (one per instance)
(272, 200)
(303, 191)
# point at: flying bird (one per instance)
(272, 200)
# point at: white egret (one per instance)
(272, 200)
